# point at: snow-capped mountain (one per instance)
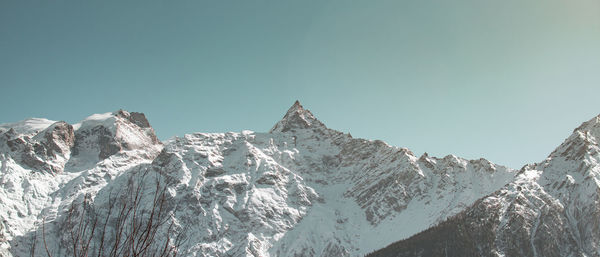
(552, 208)
(301, 189)
(46, 165)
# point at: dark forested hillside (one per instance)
(470, 233)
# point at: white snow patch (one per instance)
(28, 126)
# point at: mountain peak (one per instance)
(296, 108)
(136, 118)
(592, 126)
(296, 118)
(109, 133)
(296, 105)
(582, 144)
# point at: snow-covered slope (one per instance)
(551, 209)
(44, 168)
(301, 189)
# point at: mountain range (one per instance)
(300, 189)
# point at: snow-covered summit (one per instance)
(38, 142)
(583, 141)
(28, 126)
(103, 135)
(297, 118)
(592, 126)
(577, 158)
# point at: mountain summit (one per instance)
(296, 118)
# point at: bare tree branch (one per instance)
(44, 236)
(134, 226)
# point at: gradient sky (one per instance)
(507, 80)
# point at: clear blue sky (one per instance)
(507, 80)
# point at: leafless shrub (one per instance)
(127, 229)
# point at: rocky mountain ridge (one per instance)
(552, 208)
(301, 189)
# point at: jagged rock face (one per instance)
(108, 134)
(234, 199)
(102, 140)
(300, 190)
(551, 209)
(136, 118)
(47, 150)
(297, 118)
(58, 139)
